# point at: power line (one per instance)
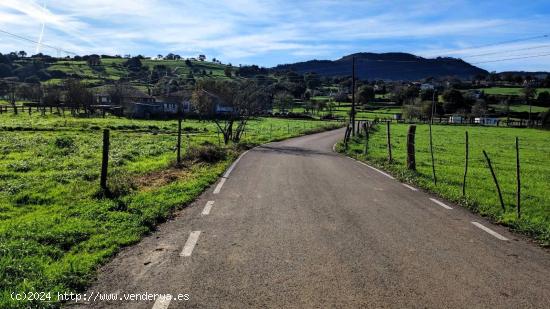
(499, 43)
(36, 42)
(514, 58)
(505, 51)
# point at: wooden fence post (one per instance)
(188, 145)
(346, 137)
(390, 158)
(366, 128)
(411, 162)
(466, 165)
(495, 179)
(178, 156)
(105, 160)
(432, 154)
(518, 193)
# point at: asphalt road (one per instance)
(295, 225)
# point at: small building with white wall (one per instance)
(489, 121)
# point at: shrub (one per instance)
(207, 152)
(64, 142)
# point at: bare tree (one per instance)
(230, 104)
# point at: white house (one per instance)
(456, 119)
(426, 86)
(486, 121)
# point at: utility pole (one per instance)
(352, 114)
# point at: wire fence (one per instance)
(449, 147)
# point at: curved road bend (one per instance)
(297, 226)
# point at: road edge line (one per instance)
(190, 244)
(440, 203)
(489, 231)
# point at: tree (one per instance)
(427, 94)
(340, 96)
(241, 99)
(133, 64)
(52, 96)
(544, 99)
(529, 93)
(453, 100)
(405, 94)
(283, 101)
(78, 95)
(31, 92)
(228, 71)
(480, 108)
(5, 70)
(9, 89)
(93, 60)
(22, 54)
(202, 57)
(417, 110)
(365, 94)
(312, 80)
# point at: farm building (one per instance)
(486, 121)
(456, 119)
(223, 109)
(176, 101)
(135, 103)
(144, 110)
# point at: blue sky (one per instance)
(272, 32)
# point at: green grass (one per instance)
(55, 227)
(342, 110)
(509, 91)
(481, 195)
(519, 108)
(112, 69)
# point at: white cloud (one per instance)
(237, 30)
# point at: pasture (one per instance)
(509, 90)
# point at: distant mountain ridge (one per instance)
(387, 66)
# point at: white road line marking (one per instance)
(162, 303)
(440, 203)
(410, 187)
(230, 169)
(226, 174)
(488, 230)
(379, 171)
(207, 208)
(190, 244)
(219, 186)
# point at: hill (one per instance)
(387, 66)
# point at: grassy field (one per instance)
(112, 69)
(342, 110)
(56, 226)
(519, 108)
(509, 91)
(481, 196)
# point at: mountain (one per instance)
(387, 66)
